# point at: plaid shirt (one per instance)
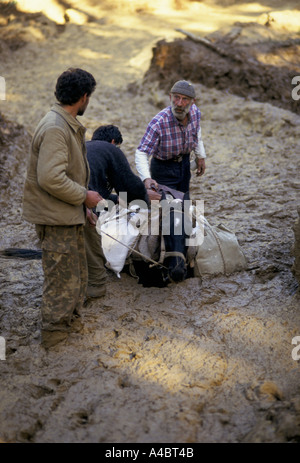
(166, 137)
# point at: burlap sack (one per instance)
(220, 252)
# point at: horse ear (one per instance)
(186, 196)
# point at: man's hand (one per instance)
(92, 199)
(91, 217)
(200, 166)
(152, 187)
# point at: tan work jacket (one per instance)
(58, 171)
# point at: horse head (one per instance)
(169, 247)
(176, 227)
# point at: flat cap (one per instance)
(184, 88)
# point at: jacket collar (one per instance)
(73, 123)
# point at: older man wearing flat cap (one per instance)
(169, 138)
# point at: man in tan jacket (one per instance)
(57, 200)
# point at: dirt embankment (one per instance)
(250, 60)
(206, 360)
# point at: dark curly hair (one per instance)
(108, 133)
(72, 84)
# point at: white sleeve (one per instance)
(200, 150)
(142, 164)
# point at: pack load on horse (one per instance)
(170, 242)
(153, 243)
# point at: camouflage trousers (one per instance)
(65, 275)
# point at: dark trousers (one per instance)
(173, 174)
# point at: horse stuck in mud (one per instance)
(153, 247)
(154, 244)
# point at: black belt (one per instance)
(175, 159)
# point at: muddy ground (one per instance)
(201, 361)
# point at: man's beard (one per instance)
(180, 113)
(81, 111)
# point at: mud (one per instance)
(208, 360)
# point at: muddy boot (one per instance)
(51, 338)
(96, 291)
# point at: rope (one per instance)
(134, 250)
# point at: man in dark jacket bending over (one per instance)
(109, 170)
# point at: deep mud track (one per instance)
(206, 360)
